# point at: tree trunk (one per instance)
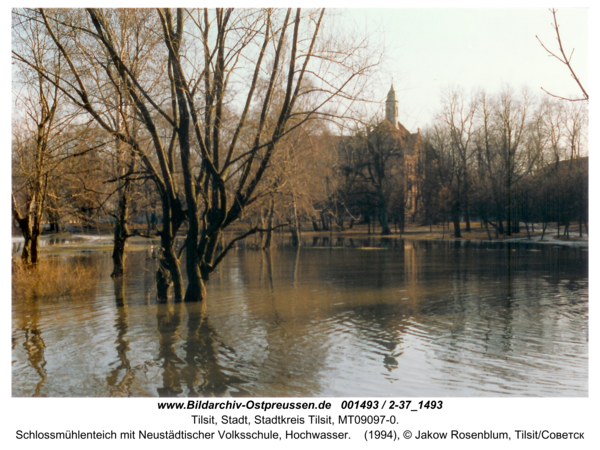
(121, 233)
(324, 222)
(456, 219)
(31, 228)
(487, 229)
(294, 225)
(544, 225)
(383, 218)
(169, 271)
(268, 240)
(385, 228)
(467, 212)
(163, 280)
(29, 256)
(118, 255)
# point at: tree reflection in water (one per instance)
(121, 388)
(34, 344)
(168, 320)
(392, 318)
(200, 369)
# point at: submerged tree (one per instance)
(204, 123)
(40, 137)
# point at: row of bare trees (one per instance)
(204, 112)
(505, 159)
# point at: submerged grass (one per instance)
(52, 279)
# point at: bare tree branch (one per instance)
(563, 59)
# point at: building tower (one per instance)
(391, 107)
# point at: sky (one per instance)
(430, 49)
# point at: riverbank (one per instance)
(102, 237)
(477, 234)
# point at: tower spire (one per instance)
(391, 106)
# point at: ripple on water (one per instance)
(403, 321)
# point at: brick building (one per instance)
(412, 149)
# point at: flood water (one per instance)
(378, 318)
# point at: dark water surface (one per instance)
(397, 318)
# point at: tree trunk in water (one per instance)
(168, 273)
(268, 240)
(31, 230)
(163, 280)
(456, 219)
(175, 270)
(295, 236)
(118, 256)
(30, 254)
(294, 225)
(121, 233)
(467, 214)
(195, 291)
(385, 229)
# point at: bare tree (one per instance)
(194, 103)
(39, 131)
(375, 159)
(458, 113)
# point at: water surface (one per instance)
(345, 318)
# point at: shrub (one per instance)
(52, 279)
